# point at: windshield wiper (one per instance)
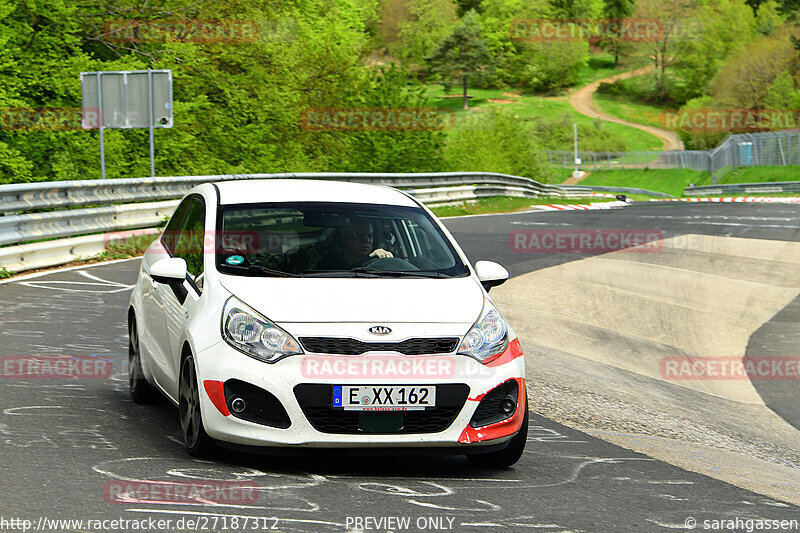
(337, 273)
(266, 270)
(399, 273)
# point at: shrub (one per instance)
(496, 141)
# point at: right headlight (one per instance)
(488, 337)
(249, 332)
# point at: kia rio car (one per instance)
(290, 314)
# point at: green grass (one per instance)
(532, 106)
(601, 65)
(670, 181)
(673, 181)
(125, 248)
(506, 204)
(4, 273)
(630, 109)
(762, 174)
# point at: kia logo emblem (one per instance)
(380, 330)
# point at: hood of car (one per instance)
(374, 300)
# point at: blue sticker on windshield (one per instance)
(235, 260)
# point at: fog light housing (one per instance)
(497, 405)
(238, 405)
(508, 406)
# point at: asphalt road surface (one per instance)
(65, 444)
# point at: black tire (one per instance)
(197, 441)
(509, 455)
(141, 391)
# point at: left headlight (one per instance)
(249, 332)
(488, 337)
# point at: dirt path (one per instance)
(581, 100)
(573, 181)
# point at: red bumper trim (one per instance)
(500, 429)
(216, 393)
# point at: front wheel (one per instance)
(509, 455)
(197, 441)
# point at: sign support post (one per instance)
(125, 100)
(100, 122)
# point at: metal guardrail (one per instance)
(56, 194)
(59, 251)
(62, 220)
(33, 226)
(746, 188)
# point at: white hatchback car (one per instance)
(289, 314)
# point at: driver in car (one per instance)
(354, 246)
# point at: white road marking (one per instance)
(17, 279)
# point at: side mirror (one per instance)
(490, 274)
(169, 270)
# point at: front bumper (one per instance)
(221, 363)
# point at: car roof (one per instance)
(299, 190)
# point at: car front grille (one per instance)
(316, 402)
(341, 346)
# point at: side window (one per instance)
(189, 244)
(175, 224)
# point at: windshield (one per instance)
(333, 239)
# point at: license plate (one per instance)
(384, 397)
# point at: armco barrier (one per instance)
(55, 194)
(63, 220)
(33, 226)
(56, 252)
(744, 188)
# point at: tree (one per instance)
(745, 78)
(465, 6)
(463, 53)
(556, 65)
(574, 9)
(496, 141)
(672, 40)
(768, 17)
(782, 93)
(728, 25)
(412, 29)
(786, 7)
(510, 56)
(429, 22)
(617, 9)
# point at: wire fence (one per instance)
(691, 159)
(773, 148)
